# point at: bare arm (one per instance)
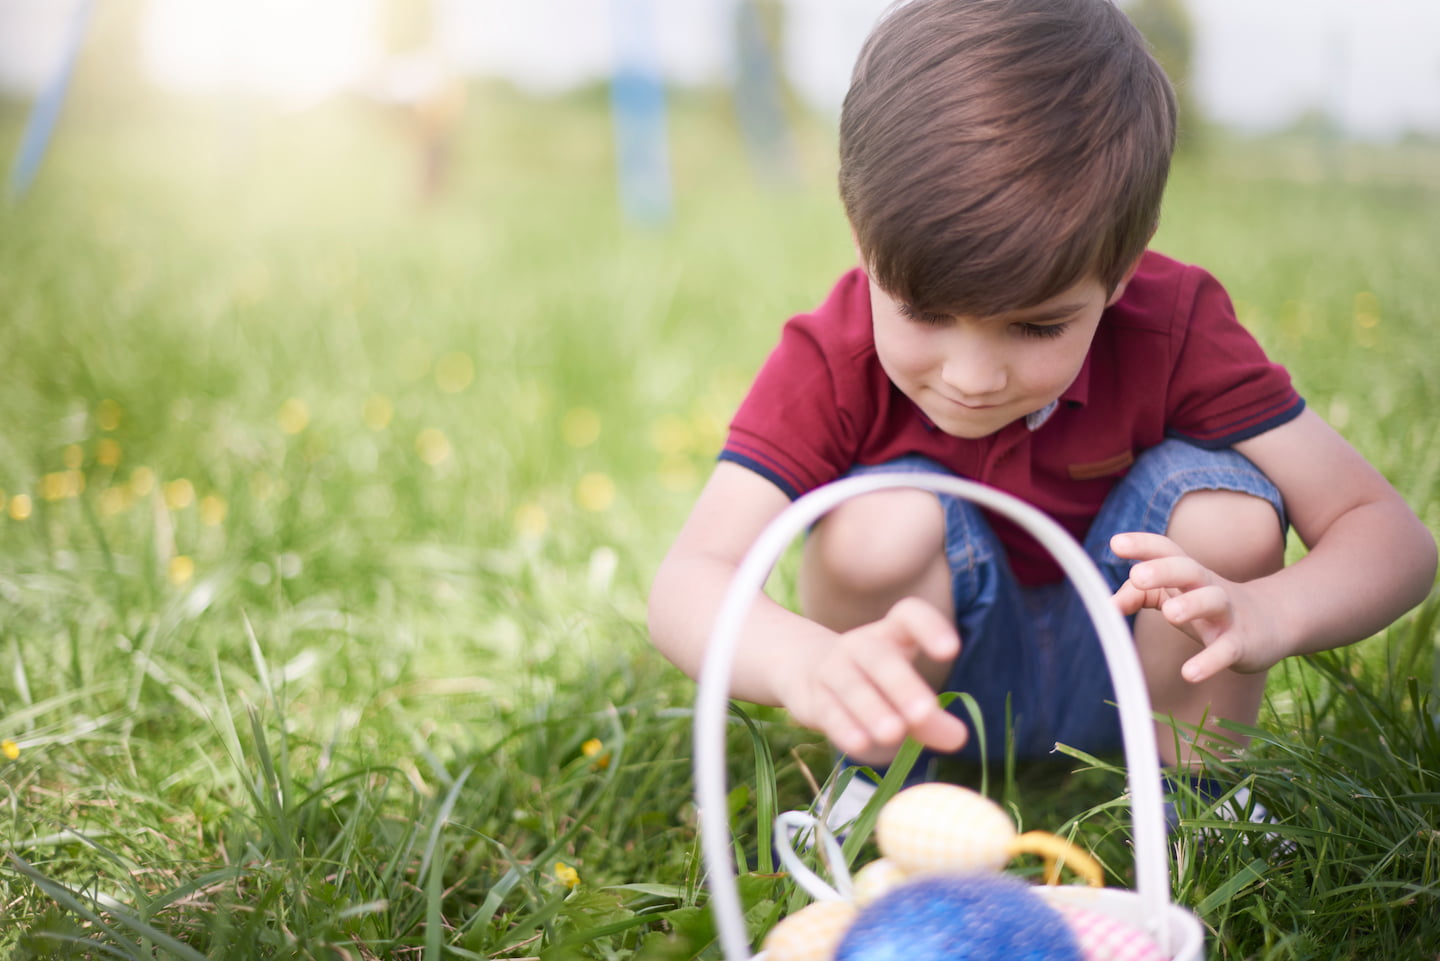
(731, 511)
(1370, 560)
(859, 688)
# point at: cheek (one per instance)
(1053, 370)
(898, 361)
(902, 356)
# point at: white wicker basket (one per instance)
(1177, 931)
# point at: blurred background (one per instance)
(539, 248)
(359, 360)
(429, 209)
(1373, 69)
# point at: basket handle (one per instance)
(1152, 874)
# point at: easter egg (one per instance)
(811, 933)
(1105, 938)
(876, 879)
(944, 829)
(959, 918)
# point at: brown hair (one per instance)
(995, 152)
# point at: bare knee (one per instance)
(1238, 536)
(883, 546)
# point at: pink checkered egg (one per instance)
(933, 829)
(1105, 938)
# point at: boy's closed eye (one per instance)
(1040, 327)
(1030, 329)
(922, 316)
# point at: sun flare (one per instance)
(296, 49)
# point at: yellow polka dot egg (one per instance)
(944, 829)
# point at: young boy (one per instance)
(1002, 164)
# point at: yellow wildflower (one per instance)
(454, 372)
(52, 486)
(62, 484)
(142, 481)
(678, 474)
(107, 452)
(20, 507)
(262, 486)
(10, 749)
(378, 412)
(531, 520)
(433, 446)
(580, 427)
(594, 749)
(595, 492)
(212, 510)
(179, 494)
(114, 500)
(294, 415)
(709, 430)
(671, 435)
(107, 414)
(567, 875)
(1367, 309)
(182, 568)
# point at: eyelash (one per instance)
(1044, 331)
(922, 317)
(1040, 331)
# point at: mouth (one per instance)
(966, 405)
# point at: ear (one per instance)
(1119, 290)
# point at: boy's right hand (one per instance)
(865, 691)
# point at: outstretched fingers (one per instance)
(929, 630)
(1187, 594)
(876, 695)
(1142, 546)
(1163, 576)
(1220, 655)
(917, 629)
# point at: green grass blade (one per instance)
(72, 901)
(766, 797)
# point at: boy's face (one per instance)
(973, 375)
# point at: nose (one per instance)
(974, 365)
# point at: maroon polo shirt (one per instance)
(1169, 359)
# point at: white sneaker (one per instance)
(845, 809)
(1239, 806)
(840, 813)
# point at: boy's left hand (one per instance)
(1224, 616)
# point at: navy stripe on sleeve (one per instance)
(1216, 441)
(764, 471)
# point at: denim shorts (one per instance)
(1031, 653)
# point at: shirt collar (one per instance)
(1078, 393)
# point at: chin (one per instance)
(970, 430)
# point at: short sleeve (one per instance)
(797, 426)
(1223, 388)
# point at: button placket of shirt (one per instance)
(1003, 447)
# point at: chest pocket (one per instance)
(1113, 464)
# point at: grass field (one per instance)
(328, 517)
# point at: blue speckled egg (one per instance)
(970, 918)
